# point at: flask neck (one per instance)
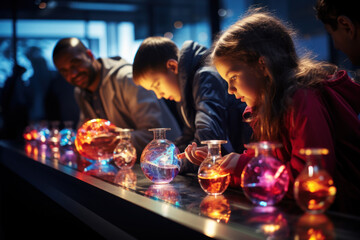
(263, 151)
(159, 134)
(214, 151)
(314, 161)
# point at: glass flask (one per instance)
(54, 138)
(265, 179)
(216, 207)
(96, 139)
(211, 177)
(159, 161)
(44, 133)
(67, 134)
(125, 153)
(314, 188)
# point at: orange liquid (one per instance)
(99, 148)
(214, 184)
(315, 194)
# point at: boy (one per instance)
(206, 108)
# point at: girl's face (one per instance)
(243, 80)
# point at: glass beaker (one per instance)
(211, 177)
(125, 153)
(96, 139)
(159, 161)
(265, 179)
(314, 188)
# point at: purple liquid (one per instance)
(159, 173)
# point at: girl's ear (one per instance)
(263, 66)
(172, 65)
(346, 25)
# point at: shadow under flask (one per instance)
(314, 188)
(124, 153)
(213, 180)
(159, 161)
(265, 179)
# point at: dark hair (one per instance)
(328, 11)
(67, 43)
(259, 34)
(153, 54)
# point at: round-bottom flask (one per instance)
(264, 179)
(96, 139)
(213, 180)
(314, 188)
(125, 153)
(159, 161)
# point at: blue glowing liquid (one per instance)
(159, 173)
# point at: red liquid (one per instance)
(214, 184)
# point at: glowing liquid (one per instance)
(99, 148)
(315, 194)
(124, 155)
(214, 184)
(159, 173)
(264, 180)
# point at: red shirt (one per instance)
(326, 117)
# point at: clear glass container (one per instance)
(124, 153)
(216, 207)
(265, 179)
(213, 180)
(67, 134)
(44, 132)
(54, 138)
(159, 161)
(314, 188)
(96, 139)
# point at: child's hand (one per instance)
(195, 154)
(230, 162)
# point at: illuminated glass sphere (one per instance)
(159, 161)
(264, 179)
(314, 188)
(67, 135)
(211, 177)
(96, 139)
(125, 153)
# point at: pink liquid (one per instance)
(159, 173)
(215, 184)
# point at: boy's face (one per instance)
(164, 84)
(346, 38)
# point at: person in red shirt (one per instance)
(298, 102)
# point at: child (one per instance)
(206, 108)
(300, 103)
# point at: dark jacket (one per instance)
(323, 117)
(207, 109)
(127, 105)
